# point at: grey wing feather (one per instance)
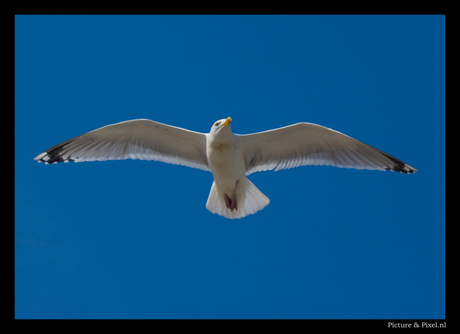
(310, 144)
(137, 139)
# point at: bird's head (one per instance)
(221, 127)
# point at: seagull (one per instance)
(229, 157)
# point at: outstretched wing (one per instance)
(310, 144)
(137, 139)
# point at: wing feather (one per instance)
(137, 139)
(310, 144)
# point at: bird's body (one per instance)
(230, 186)
(225, 159)
(229, 157)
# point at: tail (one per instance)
(249, 199)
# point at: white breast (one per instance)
(226, 163)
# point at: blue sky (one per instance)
(133, 239)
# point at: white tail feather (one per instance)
(249, 199)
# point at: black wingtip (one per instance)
(54, 154)
(399, 166)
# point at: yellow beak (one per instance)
(227, 121)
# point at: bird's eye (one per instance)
(217, 124)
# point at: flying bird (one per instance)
(229, 157)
